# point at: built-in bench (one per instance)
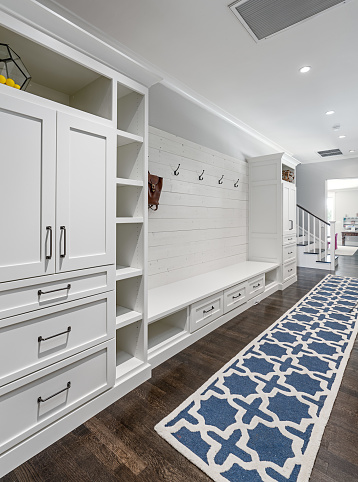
(181, 313)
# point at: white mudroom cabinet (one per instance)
(57, 185)
(73, 167)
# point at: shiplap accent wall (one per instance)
(200, 225)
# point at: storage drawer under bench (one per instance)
(256, 286)
(35, 401)
(204, 311)
(35, 293)
(34, 340)
(235, 296)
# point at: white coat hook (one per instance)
(201, 176)
(176, 172)
(221, 179)
(237, 183)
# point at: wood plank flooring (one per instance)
(119, 444)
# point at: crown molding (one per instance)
(58, 22)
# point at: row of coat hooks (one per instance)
(201, 177)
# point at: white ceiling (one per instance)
(203, 46)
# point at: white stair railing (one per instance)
(318, 233)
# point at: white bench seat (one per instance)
(172, 297)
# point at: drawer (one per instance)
(34, 340)
(289, 252)
(32, 294)
(235, 296)
(289, 238)
(256, 286)
(204, 311)
(289, 270)
(36, 401)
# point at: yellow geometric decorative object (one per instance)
(17, 86)
(10, 82)
(2, 79)
(12, 68)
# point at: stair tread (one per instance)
(315, 251)
(326, 259)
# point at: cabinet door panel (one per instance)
(27, 189)
(85, 194)
(288, 208)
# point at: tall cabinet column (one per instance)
(272, 213)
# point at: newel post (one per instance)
(332, 246)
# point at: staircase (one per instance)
(315, 241)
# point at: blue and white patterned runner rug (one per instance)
(262, 416)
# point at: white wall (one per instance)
(176, 114)
(200, 225)
(311, 182)
(346, 202)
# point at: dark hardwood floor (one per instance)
(119, 444)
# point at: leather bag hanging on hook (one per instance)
(155, 185)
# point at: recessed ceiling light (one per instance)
(330, 112)
(305, 69)
(341, 137)
(352, 150)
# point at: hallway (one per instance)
(119, 444)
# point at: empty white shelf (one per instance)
(124, 138)
(126, 363)
(120, 181)
(125, 272)
(129, 220)
(161, 333)
(125, 316)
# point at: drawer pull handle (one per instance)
(291, 252)
(40, 292)
(208, 311)
(41, 400)
(291, 224)
(49, 229)
(63, 229)
(289, 239)
(256, 286)
(290, 270)
(40, 338)
(237, 296)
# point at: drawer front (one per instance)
(235, 296)
(35, 293)
(34, 402)
(35, 340)
(205, 311)
(289, 252)
(289, 270)
(289, 238)
(256, 286)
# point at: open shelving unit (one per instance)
(130, 353)
(164, 332)
(62, 80)
(131, 215)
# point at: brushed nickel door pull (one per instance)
(63, 229)
(40, 292)
(49, 230)
(41, 400)
(40, 338)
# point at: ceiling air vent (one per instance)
(330, 152)
(264, 18)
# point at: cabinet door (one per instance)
(27, 189)
(288, 208)
(85, 210)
